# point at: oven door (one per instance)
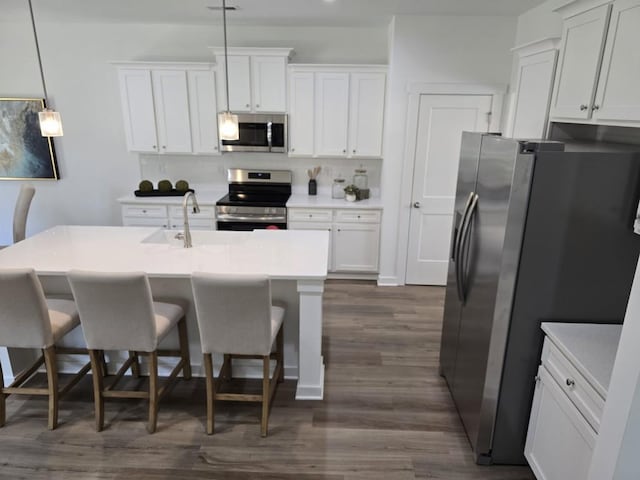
(259, 133)
(249, 226)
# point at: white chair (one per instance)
(20, 213)
(117, 312)
(236, 318)
(29, 320)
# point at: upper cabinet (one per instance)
(336, 111)
(599, 63)
(169, 107)
(257, 79)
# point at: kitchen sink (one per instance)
(199, 237)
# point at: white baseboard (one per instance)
(388, 281)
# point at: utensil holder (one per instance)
(313, 187)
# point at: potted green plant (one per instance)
(351, 193)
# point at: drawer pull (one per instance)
(144, 211)
(570, 382)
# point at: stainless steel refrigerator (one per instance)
(543, 231)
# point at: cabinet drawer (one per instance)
(145, 222)
(175, 212)
(309, 226)
(580, 392)
(194, 224)
(310, 214)
(149, 211)
(358, 216)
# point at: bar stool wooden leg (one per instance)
(153, 392)
(98, 399)
(211, 392)
(3, 401)
(52, 382)
(225, 372)
(265, 396)
(135, 364)
(184, 348)
(280, 354)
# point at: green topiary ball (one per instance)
(145, 186)
(164, 185)
(182, 185)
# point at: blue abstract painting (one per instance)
(24, 152)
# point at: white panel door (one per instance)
(316, 226)
(301, 113)
(356, 247)
(239, 84)
(172, 111)
(269, 81)
(366, 116)
(583, 39)
(137, 109)
(332, 114)
(442, 119)
(533, 94)
(204, 111)
(618, 96)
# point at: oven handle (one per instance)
(269, 135)
(221, 217)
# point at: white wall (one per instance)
(539, 22)
(438, 50)
(94, 164)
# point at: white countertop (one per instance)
(206, 197)
(322, 201)
(591, 348)
(281, 254)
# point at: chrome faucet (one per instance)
(196, 209)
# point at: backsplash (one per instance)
(210, 172)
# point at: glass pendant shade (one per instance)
(228, 126)
(50, 123)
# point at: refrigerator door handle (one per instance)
(464, 236)
(456, 240)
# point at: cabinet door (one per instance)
(560, 442)
(315, 226)
(579, 63)
(204, 111)
(301, 113)
(137, 109)
(618, 95)
(366, 115)
(239, 84)
(355, 247)
(172, 110)
(269, 82)
(332, 114)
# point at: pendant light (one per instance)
(50, 121)
(228, 122)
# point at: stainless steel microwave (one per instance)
(259, 132)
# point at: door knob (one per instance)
(416, 205)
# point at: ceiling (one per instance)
(373, 13)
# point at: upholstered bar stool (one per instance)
(236, 318)
(29, 320)
(117, 312)
(21, 212)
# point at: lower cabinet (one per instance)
(355, 236)
(166, 216)
(564, 418)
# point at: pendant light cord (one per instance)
(226, 61)
(35, 37)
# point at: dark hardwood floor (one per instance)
(387, 414)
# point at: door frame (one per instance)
(415, 91)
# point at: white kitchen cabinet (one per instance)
(618, 94)
(257, 79)
(301, 113)
(169, 215)
(366, 114)
(355, 236)
(347, 116)
(599, 64)
(169, 107)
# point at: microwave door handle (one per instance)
(269, 135)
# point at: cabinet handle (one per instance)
(583, 107)
(293, 149)
(215, 148)
(310, 216)
(595, 107)
(257, 105)
(570, 382)
(354, 151)
(164, 147)
(339, 230)
(154, 147)
(144, 211)
(247, 105)
(344, 151)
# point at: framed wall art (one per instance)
(24, 152)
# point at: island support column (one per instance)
(311, 364)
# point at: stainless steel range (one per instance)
(257, 199)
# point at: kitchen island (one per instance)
(296, 262)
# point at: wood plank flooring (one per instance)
(387, 414)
